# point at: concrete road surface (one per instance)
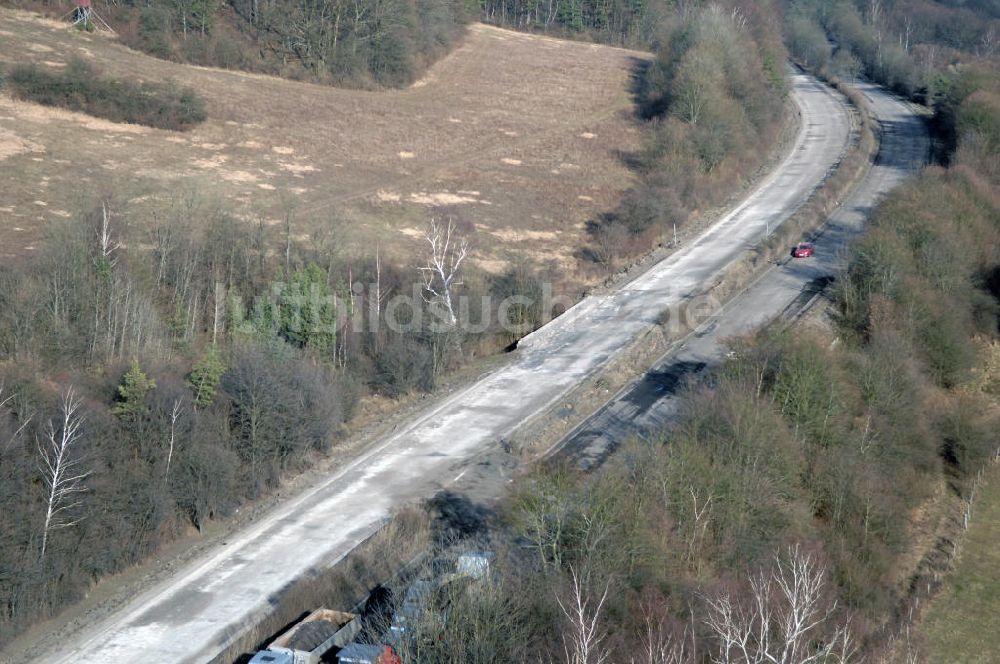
(207, 605)
(650, 404)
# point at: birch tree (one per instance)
(61, 467)
(785, 621)
(442, 272)
(658, 645)
(584, 638)
(175, 413)
(5, 401)
(124, 316)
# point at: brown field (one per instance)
(519, 135)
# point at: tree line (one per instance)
(713, 100)
(81, 88)
(160, 370)
(625, 22)
(906, 45)
(363, 44)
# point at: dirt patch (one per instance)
(440, 198)
(492, 265)
(239, 177)
(213, 162)
(12, 144)
(297, 168)
(518, 235)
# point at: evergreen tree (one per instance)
(205, 376)
(300, 311)
(132, 392)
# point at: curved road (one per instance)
(650, 403)
(208, 604)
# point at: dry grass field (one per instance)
(519, 135)
(960, 625)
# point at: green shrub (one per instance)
(80, 88)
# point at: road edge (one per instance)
(542, 435)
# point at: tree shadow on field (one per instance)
(649, 103)
(591, 254)
(616, 233)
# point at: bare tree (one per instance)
(447, 254)
(739, 18)
(106, 244)
(175, 413)
(904, 36)
(784, 622)
(660, 647)
(582, 643)
(876, 14)
(988, 43)
(610, 243)
(379, 296)
(700, 517)
(4, 401)
(685, 8)
(218, 311)
(60, 468)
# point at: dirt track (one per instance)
(518, 134)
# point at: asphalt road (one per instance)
(207, 605)
(649, 404)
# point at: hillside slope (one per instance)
(213, 600)
(521, 134)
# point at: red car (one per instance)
(804, 250)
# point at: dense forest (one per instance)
(625, 22)
(363, 44)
